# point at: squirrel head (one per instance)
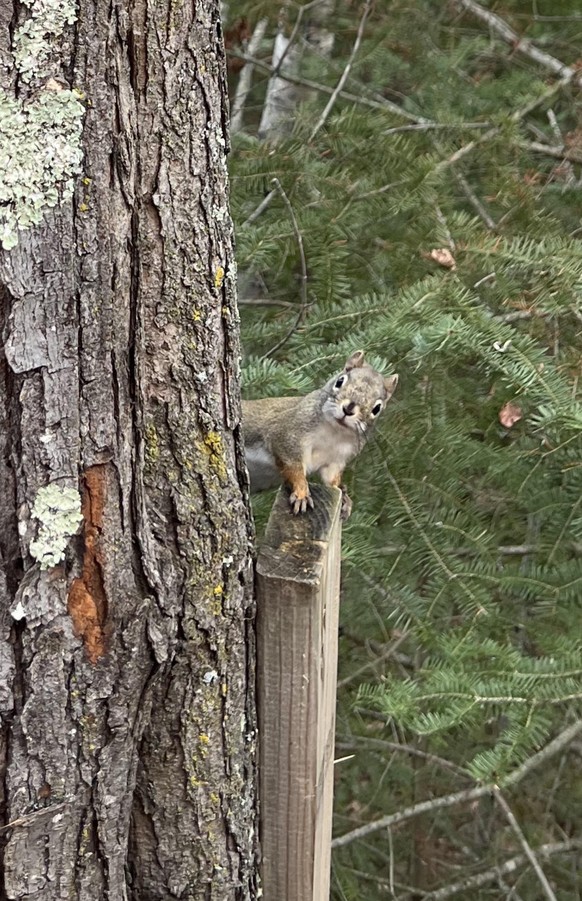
(357, 396)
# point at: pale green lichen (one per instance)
(59, 512)
(34, 41)
(40, 141)
(40, 152)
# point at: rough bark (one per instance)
(126, 676)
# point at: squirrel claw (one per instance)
(300, 504)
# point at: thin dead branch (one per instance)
(479, 208)
(471, 794)
(560, 152)
(299, 237)
(519, 44)
(516, 116)
(383, 105)
(504, 869)
(525, 845)
(343, 78)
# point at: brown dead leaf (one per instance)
(509, 414)
(442, 256)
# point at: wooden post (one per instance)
(298, 576)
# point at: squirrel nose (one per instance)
(349, 408)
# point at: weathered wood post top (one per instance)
(298, 580)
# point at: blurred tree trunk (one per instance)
(126, 662)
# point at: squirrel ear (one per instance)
(390, 385)
(355, 361)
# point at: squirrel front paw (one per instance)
(299, 502)
(346, 508)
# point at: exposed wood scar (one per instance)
(87, 602)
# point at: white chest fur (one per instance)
(331, 444)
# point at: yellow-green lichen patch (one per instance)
(219, 277)
(214, 449)
(152, 444)
(216, 601)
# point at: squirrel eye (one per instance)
(340, 381)
(377, 408)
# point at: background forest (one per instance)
(408, 181)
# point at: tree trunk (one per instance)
(126, 621)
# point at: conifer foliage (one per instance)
(429, 212)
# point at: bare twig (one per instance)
(371, 664)
(302, 10)
(561, 152)
(338, 88)
(474, 200)
(568, 169)
(519, 44)
(554, 125)
(525, 845)
(437, 126)
(516, 116)
(508, 866)
(49, 811)
(509, 890)
(460, 797)
(299, 237)
(265, 202)
(265, 302)
(358, 741)
(384, 105)
(516, 315)
(471, 794)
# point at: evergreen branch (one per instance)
(343, 78)
(525, 845)
(508, 866)
(430, 545)
(470, 794)
(521, 45)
